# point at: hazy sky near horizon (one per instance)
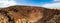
(43, 3)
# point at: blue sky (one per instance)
(41, 3)
(33, 2)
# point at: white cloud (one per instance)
(54, 5)
(56, 0)
(6, 3)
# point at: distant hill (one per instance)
(29, 14)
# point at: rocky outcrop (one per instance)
(29, 14)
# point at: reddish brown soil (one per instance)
(29, 14)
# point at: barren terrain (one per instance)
(29, 14)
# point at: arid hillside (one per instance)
(29, 14)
